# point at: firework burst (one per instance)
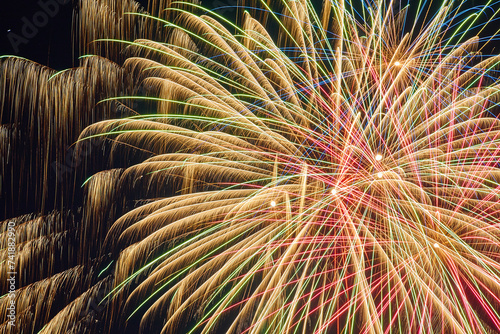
(340, 178)
(331, 171)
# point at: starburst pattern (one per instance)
(328, 181)
(318, 170)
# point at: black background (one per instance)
(52, 45)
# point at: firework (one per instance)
(343, 177)
(331, 171)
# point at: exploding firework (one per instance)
(316, 171)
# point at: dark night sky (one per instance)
(50, 43)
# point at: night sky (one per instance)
(42, 31)
(50, 43)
